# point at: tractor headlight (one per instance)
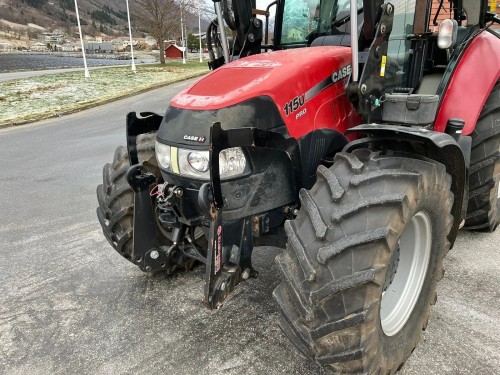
(198, 161)
(163, 155)
(232, 162)
(193, 163)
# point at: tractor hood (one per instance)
(273, 91)
(280, 75)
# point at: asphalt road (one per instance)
(70, 305)
(35, 73)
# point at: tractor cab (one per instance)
(314, 23)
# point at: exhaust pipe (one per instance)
(220, 22)
(354, 40)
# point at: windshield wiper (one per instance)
(441, 6)
(345, 19)
(492, 17)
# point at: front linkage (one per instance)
(149, 252)
(230, 244)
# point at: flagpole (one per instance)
(199, 31)
(87, 73)
(130, 34)
(185, 40)
(182, 36)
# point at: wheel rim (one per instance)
(402, 294)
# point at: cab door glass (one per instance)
(391, 58)
(300, 18)
(303, 20)
(399, 52)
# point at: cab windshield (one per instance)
(304, 20)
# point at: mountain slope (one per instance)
(97, 16)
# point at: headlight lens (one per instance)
(198, 161)
(194, 163)
(232, 162)
(162, 152)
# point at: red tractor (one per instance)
(363, 179)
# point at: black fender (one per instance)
(424, 143)
(314, 147)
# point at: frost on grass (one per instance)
(45, 96)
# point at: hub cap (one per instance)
(402, 294)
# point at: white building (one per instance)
(6, 46)
(39, 47)
(52, 38)
(71, 47)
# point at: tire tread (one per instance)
(310, 281)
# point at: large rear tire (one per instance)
(363, 259)
(483, 211)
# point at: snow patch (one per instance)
(44, 96)
(35, 26)
(13, 24)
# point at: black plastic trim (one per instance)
(147, 123)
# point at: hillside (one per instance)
(107, 17)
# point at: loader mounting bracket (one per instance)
(147, 122)
(222, 275)
(226, 268)
(145, 239)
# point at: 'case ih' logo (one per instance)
(194, 138)
(342, 73)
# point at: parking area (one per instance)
(71, 305)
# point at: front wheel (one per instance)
(363, 259)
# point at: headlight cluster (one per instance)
(193, 163)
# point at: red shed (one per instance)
(173, 52)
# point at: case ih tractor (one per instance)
(360, 143)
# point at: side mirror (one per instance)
(447, 37)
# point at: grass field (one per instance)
(41, 97)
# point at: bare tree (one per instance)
(161, 18)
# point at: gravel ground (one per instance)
(71, 305)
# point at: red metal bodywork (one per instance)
(285, 75)
(282, 76)
(471, 83)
